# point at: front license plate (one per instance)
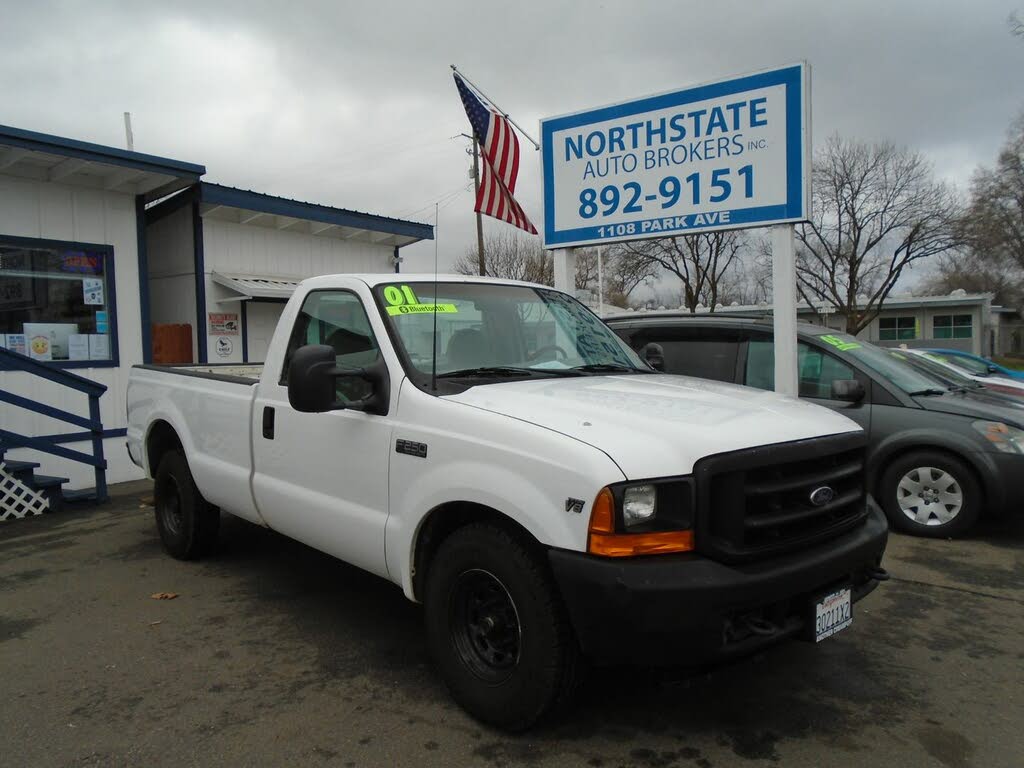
(833, 613)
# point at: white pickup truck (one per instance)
(492, 448)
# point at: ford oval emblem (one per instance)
(822, 496)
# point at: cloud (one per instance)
(352, 104)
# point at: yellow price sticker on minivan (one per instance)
(419, 309)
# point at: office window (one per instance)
(952, 327)
(897, 328)
(56, 300)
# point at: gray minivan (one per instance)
(938, 456)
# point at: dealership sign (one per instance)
(724, 155)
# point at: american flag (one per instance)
(500, 150)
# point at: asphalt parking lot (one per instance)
(273, 654)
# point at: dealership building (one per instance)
(110, 258)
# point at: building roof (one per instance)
(893, 302)
(33, 155)
(252, 286)
(245, 206)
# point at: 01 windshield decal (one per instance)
(402, 301)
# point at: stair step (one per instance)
(40, 482)
(83, 494)
(21, 470)
(20, 466)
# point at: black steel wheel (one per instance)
(188, 525)
(497, 628)
(484, 624)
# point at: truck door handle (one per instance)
(268, 422)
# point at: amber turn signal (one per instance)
(603, 540)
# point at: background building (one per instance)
(102, 249)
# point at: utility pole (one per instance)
(476, 195)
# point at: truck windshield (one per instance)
(500, 330)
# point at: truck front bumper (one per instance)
(689, 610)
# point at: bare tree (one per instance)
(977, 272)
(994, 224)
(1016, 24)
(510, 257)
(702, 262)
(876, 210)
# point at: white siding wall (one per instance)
(232, 247)
(30, 208)
(172, 274)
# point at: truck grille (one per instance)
(758, 502)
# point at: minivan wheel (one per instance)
(187, 523)
(927, 493)
(497, 629)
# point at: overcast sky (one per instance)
(353, 104)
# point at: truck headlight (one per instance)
(648, 518)
(1004, 437)
(639, 504)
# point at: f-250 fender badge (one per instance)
(411, 448)
(574, 505)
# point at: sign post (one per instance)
(784, 314)
(731, 154)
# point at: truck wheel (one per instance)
(497, 630)
(188, 524)
(932, 494)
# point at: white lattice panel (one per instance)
(17, 500)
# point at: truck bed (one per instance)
(231, 372)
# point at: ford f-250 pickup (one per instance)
(496, 451)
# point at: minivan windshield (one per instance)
(896, 371)
(937, 371)
(500, 331)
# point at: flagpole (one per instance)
(502, 111)
(476, 196)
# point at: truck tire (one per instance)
(188, 524)
(930, 493)
(497, 629)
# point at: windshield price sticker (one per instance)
(402, 301)
(418, 309)
(719, 156)
(839, 344)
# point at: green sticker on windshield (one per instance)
(396, 295)
(839, 344)
(419, 309)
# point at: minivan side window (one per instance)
(817, 369)
(337, 319)
(704, 353)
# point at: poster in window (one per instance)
(92, 290)
(99, 346)
(16, 343)
(17, 289)
(78, 346)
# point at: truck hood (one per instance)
(657, 425)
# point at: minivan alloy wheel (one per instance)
(929, 496)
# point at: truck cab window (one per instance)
(337, 319)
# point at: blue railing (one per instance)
(51, 444)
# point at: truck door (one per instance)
(322, 478)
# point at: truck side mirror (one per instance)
(312, 377)
(654, 355)
(847, 390)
